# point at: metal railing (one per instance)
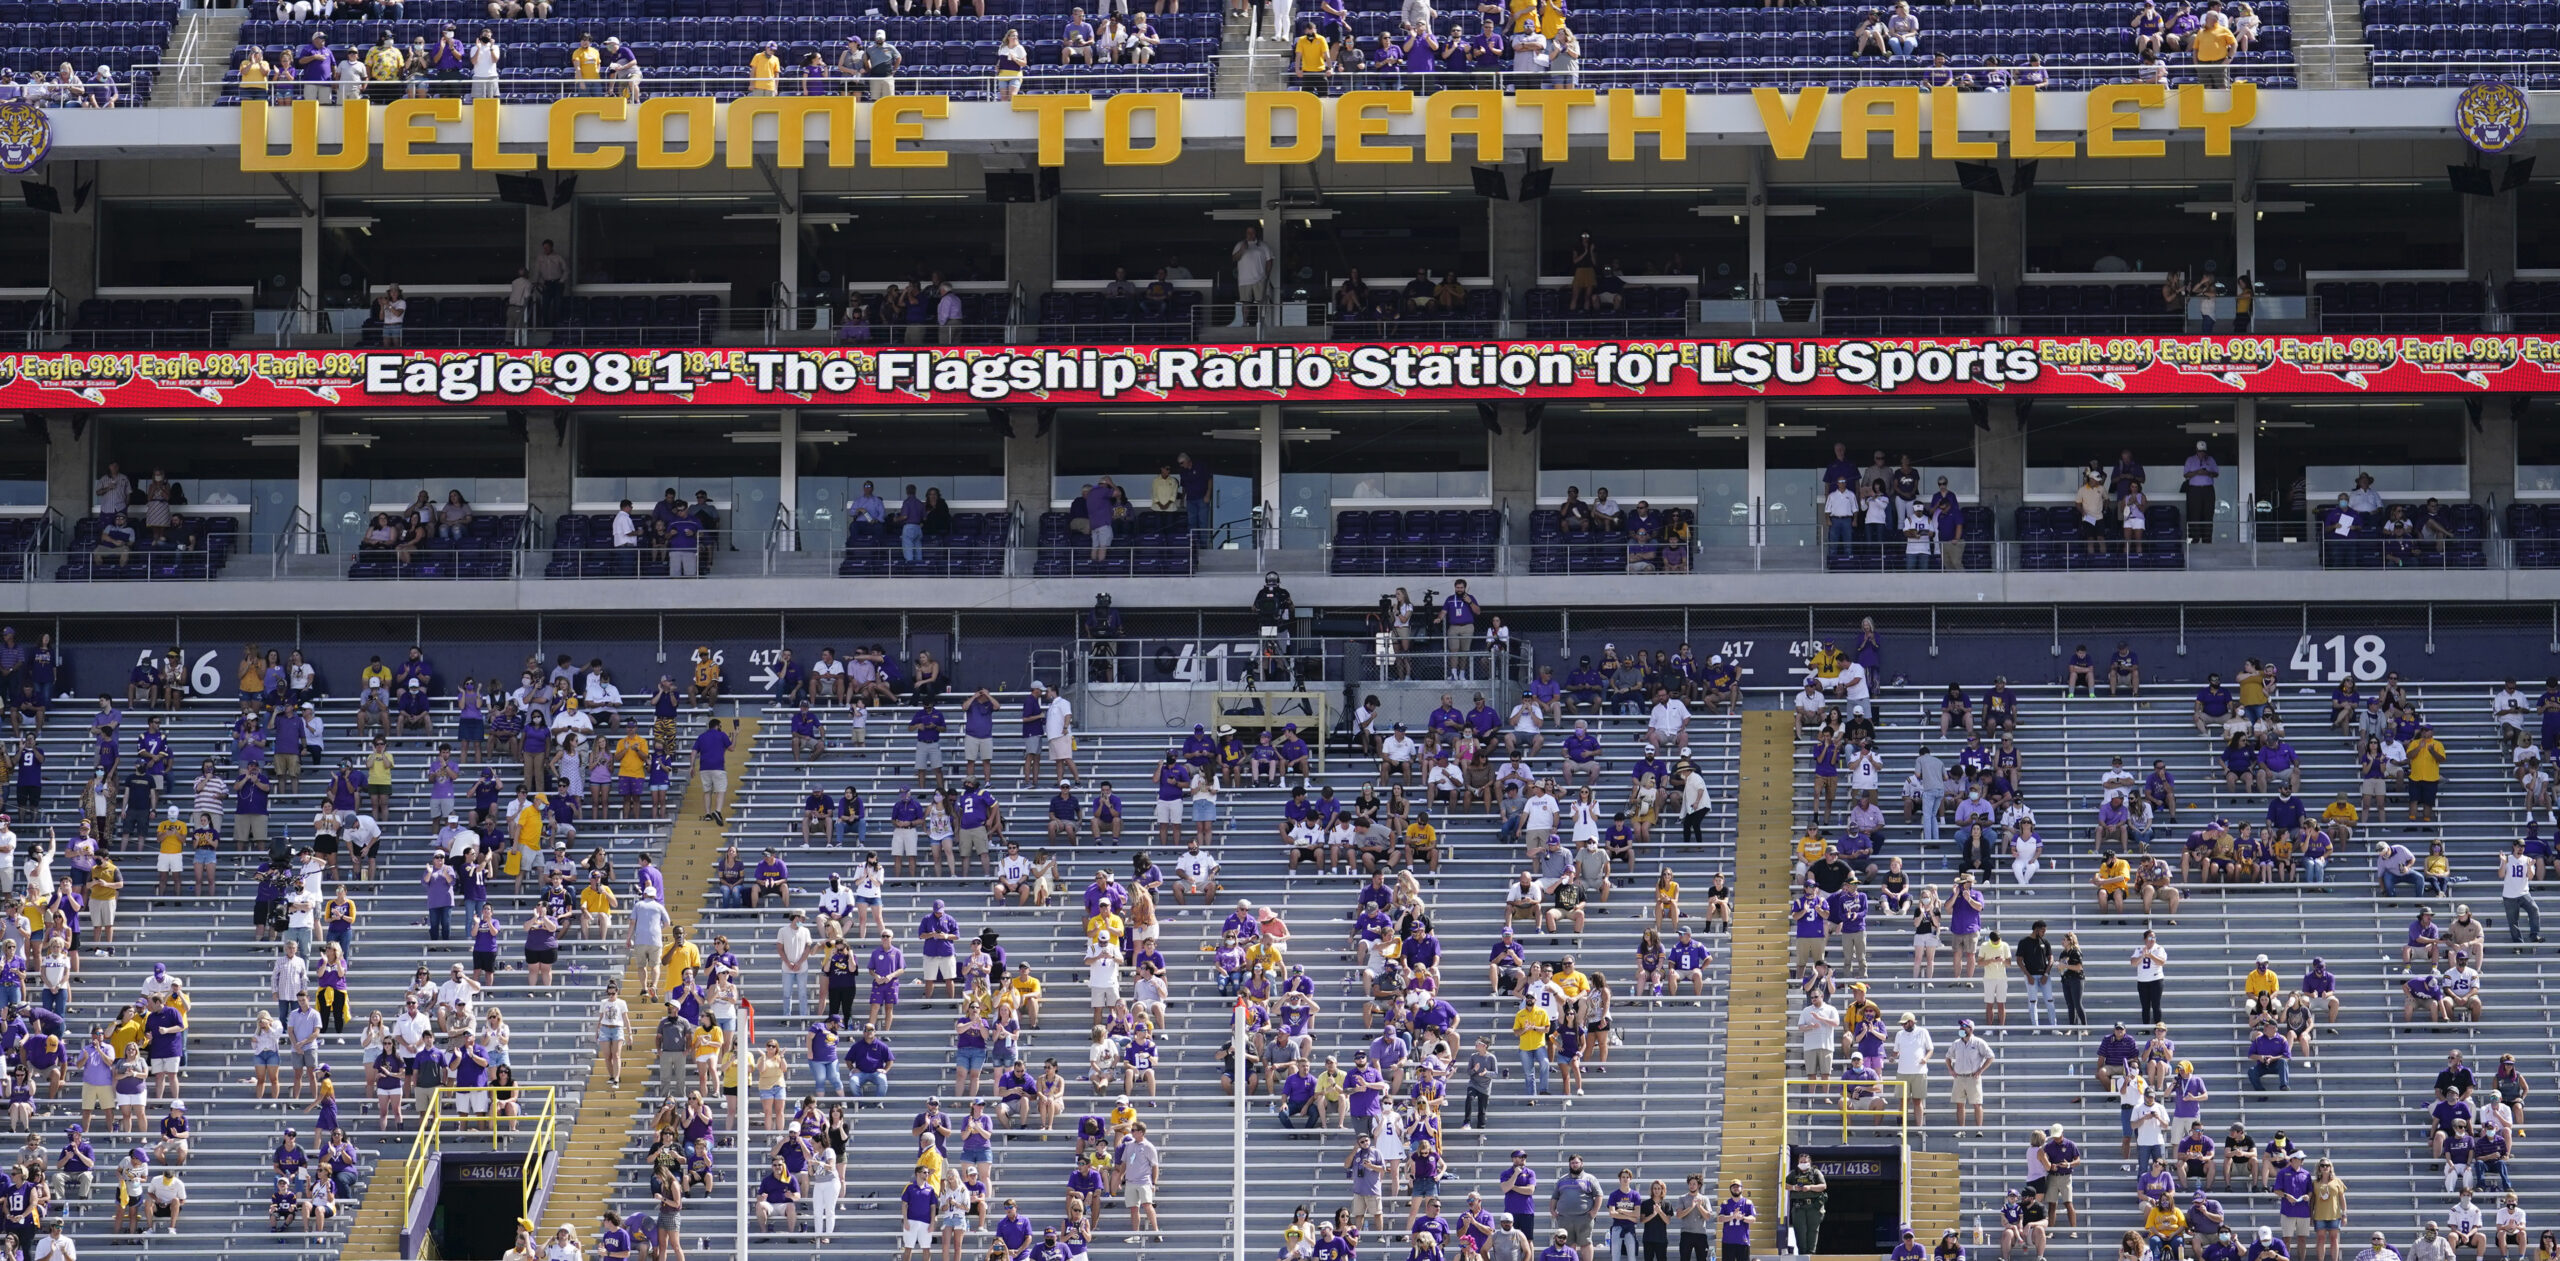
(541, 1129)
(1187, 77)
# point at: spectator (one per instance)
(1253, 263)
(1868, 39)
(1075, 40)
(485, 56)
(115, 542)
(392, 310)
(1902, 30)
(879, 67)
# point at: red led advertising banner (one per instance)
(1581, 371)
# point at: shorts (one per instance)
(902, 842)
(715, 785)
(2422, 792)
(102, 912)
(928, 758)
(977, 748)
(164, 1064)
(542, 956)
(768, 1092)
(915, 1234)
(267, 1059)
(1965, 1090)
(2371, 787)
(973, 842)
(471, 1103)
(100, 1098)
(246, 828)
(969, 1058)
(1062, 748)
(2057, 1188)
(2326, 1225)
(171, 864)
(484, 960)
(1364, 1206)
(1995, 989)
(941, 967)
(1576, 1230)
(609, 1034)
(629, 785)
(1169, 812)
(1140, 1194)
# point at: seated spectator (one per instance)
(2149, 29)
(1351, 300)
(1138, 43)
(2244, 29)
(1902, 30)
(1075, 40)
(1155, 302)
(1450, 297)
(1868, 40)
(2180, 37)
(1418, 291)
(115, 542)
(2032, 74)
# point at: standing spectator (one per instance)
(485, 56)
(2198, 478)
(1197, 489)
(1459, 615)
(393, 311)
(2151, 975)
(550, 268)
(1912, 1051)
(1253, 275)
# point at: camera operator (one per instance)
(1103, 631)
(1274, 610)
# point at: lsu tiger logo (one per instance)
(26, 135)
(2492, 116)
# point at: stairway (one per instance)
(198, 57)
(2329, 45)
(1654, 1109)
(1245, 64)
(583, 1182)
(1755, 1066)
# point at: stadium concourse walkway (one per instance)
(2361, 1099)
(583, 1184)
(207, 944)
(1652, 1108)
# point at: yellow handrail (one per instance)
(1840, 1104)
(543, 1132)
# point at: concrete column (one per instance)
(311, 253)
(1031, 253)
(550, 459)
(1755, 420)
(2000, 246)
(1513, 461)
(306, 472)
(1513, 252)
(1758, 199)
(2000, 459)
(72, 265)
(541, 223)
(2244, 195)
(2489, 239)
(1030, 462)
(788, 493)
(2492, 453)
(70, 464)
(2244, 468)
(1266, 490)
